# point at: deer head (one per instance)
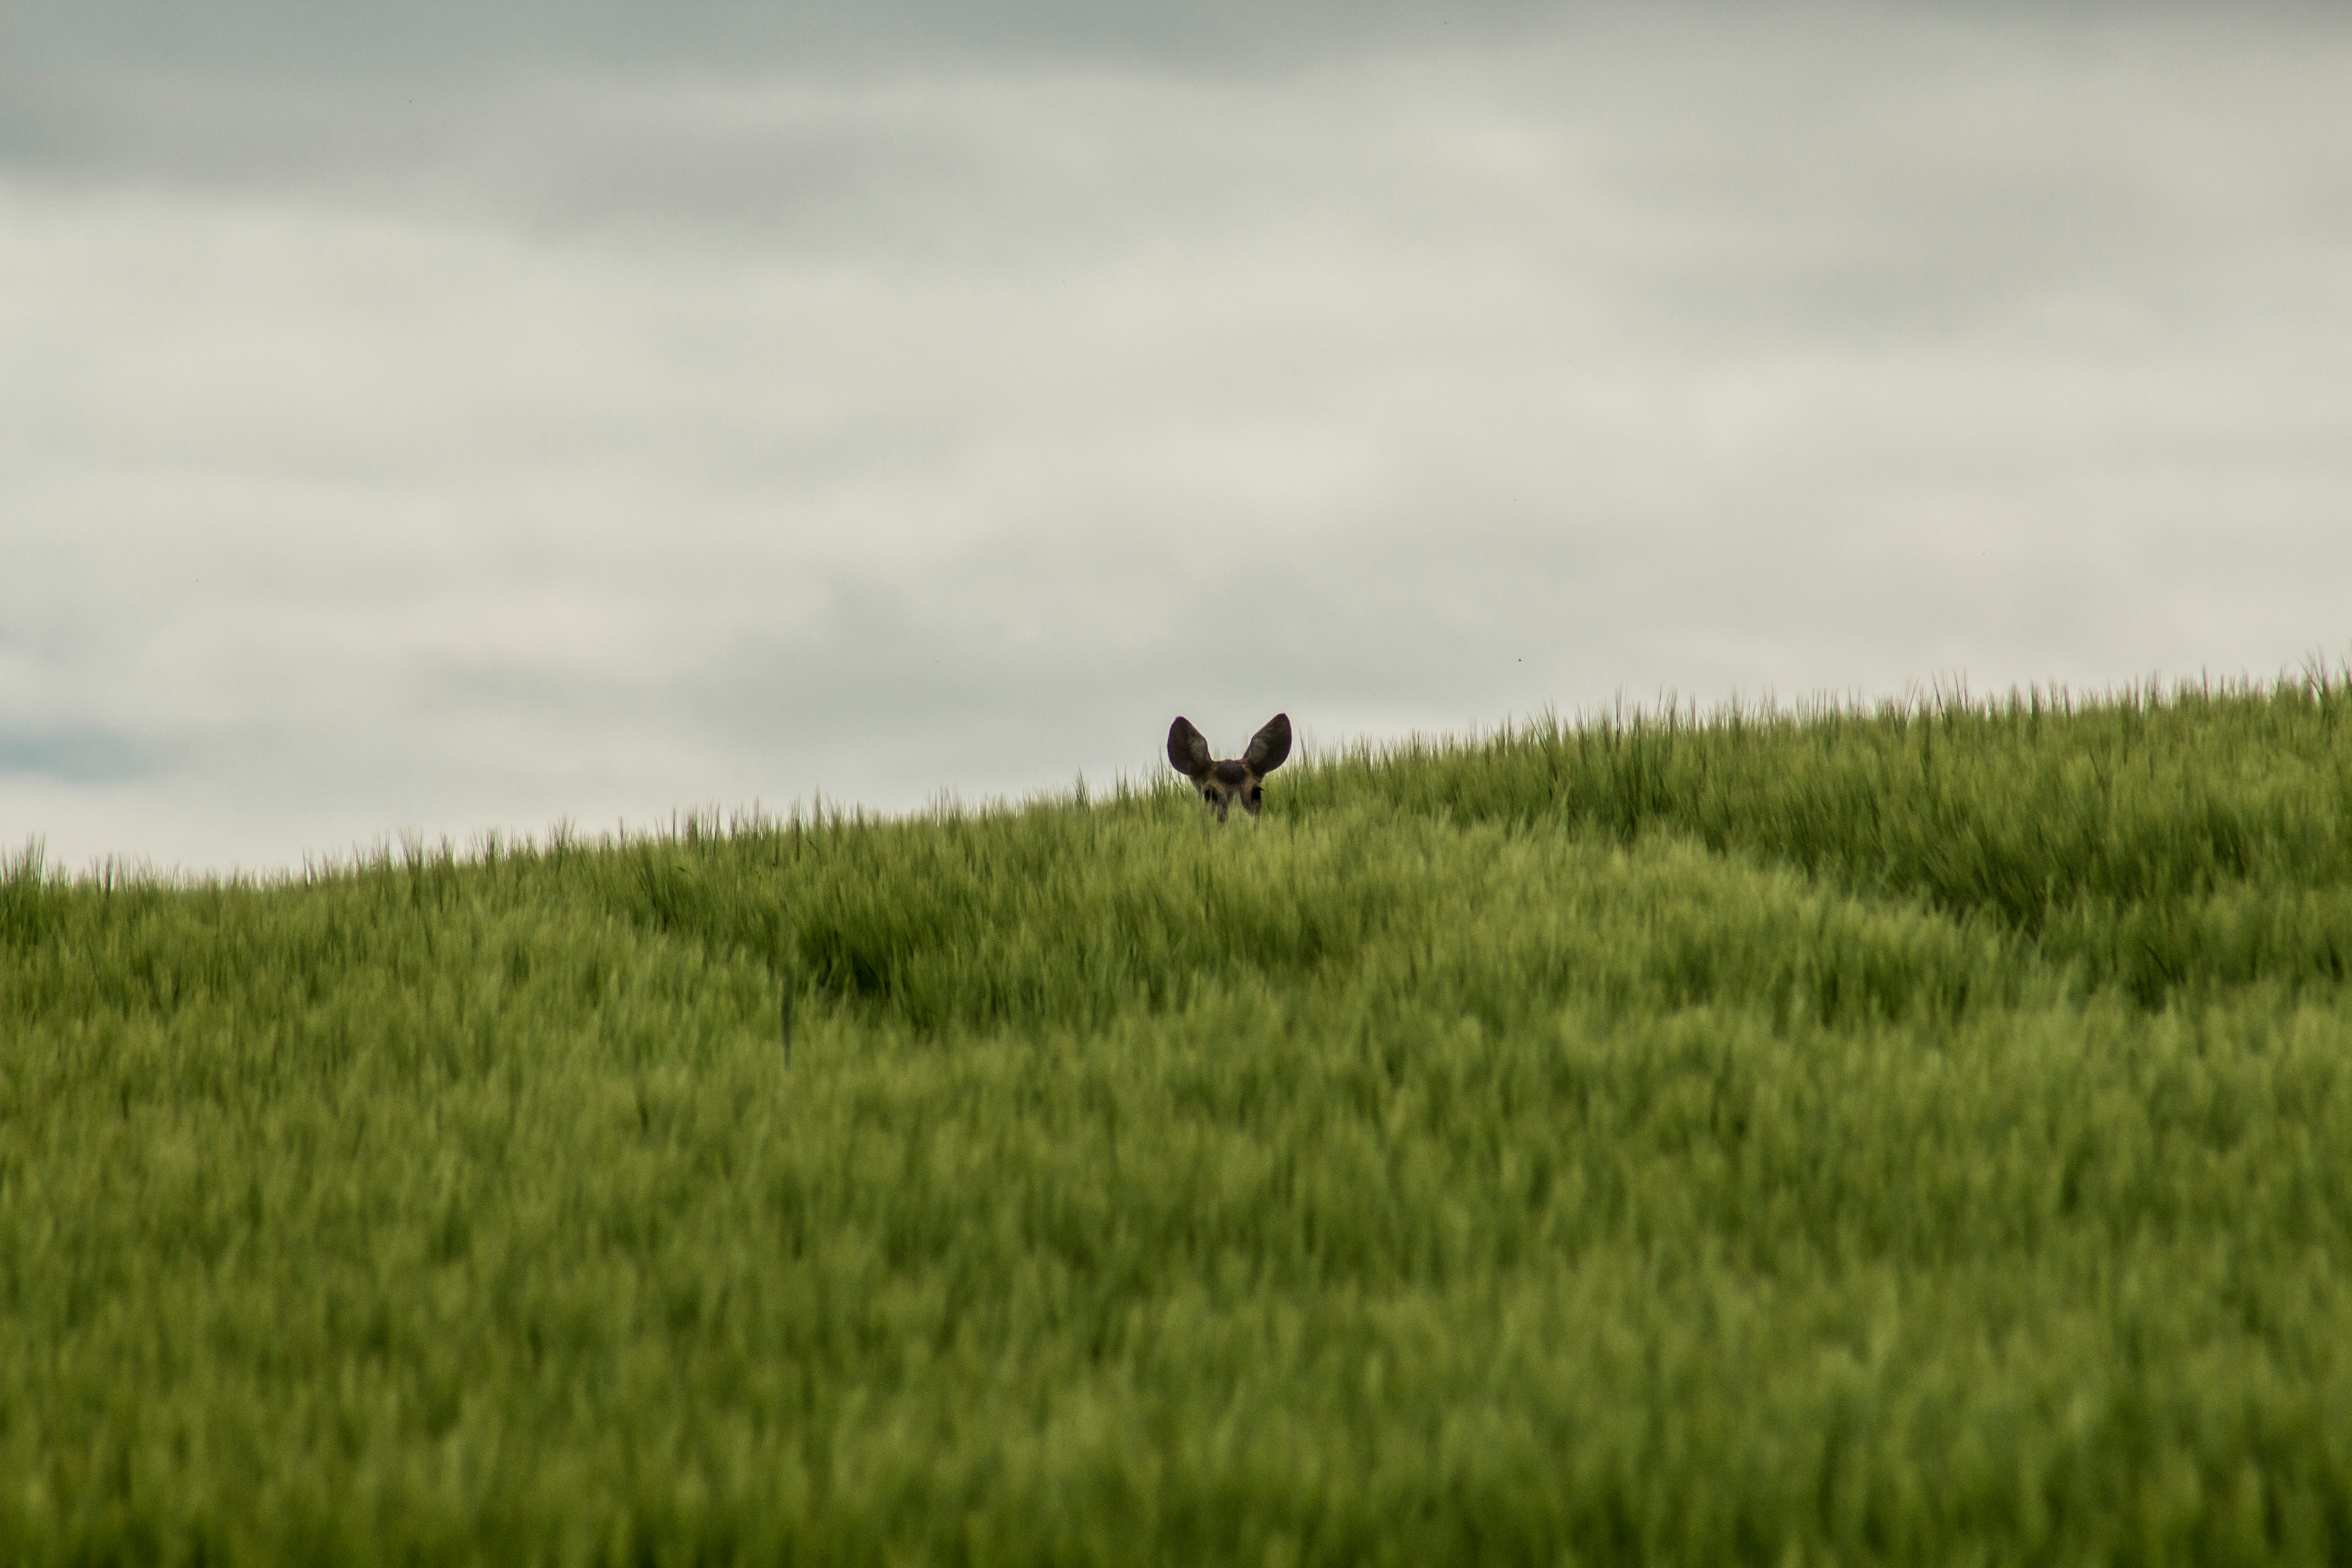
(1221, 783)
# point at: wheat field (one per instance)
(1920, 1134)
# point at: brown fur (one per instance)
(1242, 778)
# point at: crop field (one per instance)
(1921, 1135)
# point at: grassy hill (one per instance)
(1918, 1136)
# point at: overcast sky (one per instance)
(461, 416)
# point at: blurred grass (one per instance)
(1921, 1135)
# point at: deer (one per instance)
(1242, 778)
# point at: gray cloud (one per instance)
(446, 37)
(449, 37)
(589, 439)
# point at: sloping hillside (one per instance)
(1913, 1136)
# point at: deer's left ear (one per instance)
(1268, 746)
(1188, 750)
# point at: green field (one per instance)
(1923, 1135)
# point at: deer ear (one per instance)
(1188, 750)
(1268, 746)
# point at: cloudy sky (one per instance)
(455, 416)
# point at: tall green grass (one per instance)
(1921, 1135)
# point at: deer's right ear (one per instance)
(1188, 750)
